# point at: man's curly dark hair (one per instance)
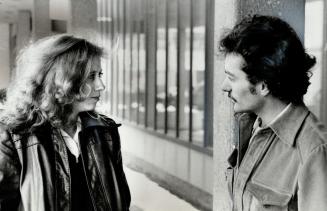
(273, 54)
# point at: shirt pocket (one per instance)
(268, 198)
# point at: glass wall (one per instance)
(313, 38)
(155, 66)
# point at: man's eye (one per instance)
(100, 74)
(230, 78)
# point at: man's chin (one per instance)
(240, 111)
(237, 110)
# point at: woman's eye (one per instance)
(92, 76)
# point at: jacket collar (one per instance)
(88, 120)
(287, 126)
(92, 119)
(244, 128)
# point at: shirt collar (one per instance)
(72, 143)
(78, 129)
(258, 122)
(288, 123)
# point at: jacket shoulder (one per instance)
(312, 135)
(108, 121)
(4, 133)
(7, 145)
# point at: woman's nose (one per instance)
(99, 85)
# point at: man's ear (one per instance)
(264, 91)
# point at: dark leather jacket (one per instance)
(35, 174)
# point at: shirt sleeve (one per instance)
(312, 187)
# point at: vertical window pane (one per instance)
(120, 59)
(114, 51)
(134, 61)
(198, 68)
(110, 92)
(172, 67)
(142, 60)
(106, 60)
(127, 52)
(161, 64)
(184, 68)
(313, 38)
(100, 25)
(104, 22)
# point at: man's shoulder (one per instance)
(312, 135)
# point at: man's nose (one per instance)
(225, 86)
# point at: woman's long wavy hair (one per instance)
(51, 75)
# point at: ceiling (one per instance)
(9, 9)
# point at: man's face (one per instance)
(244, 95)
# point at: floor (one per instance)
(149, 196)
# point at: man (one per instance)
(280, 159)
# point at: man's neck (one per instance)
(271, 108)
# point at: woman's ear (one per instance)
(85, 90)
(59, 95)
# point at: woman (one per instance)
(56, 152)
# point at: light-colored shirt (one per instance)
(257, 126)
(72, 143)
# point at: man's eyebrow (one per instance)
(229, 73)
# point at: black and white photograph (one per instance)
(163, 105)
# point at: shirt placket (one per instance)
(257, 147)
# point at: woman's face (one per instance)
(92, 89)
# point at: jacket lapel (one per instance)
(245, 125)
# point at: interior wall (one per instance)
(4, 55)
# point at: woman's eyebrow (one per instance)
(96, 70)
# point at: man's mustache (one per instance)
(231, 97)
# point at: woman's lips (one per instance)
(96, 98)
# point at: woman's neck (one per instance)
(71, 125)
(70, 130)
